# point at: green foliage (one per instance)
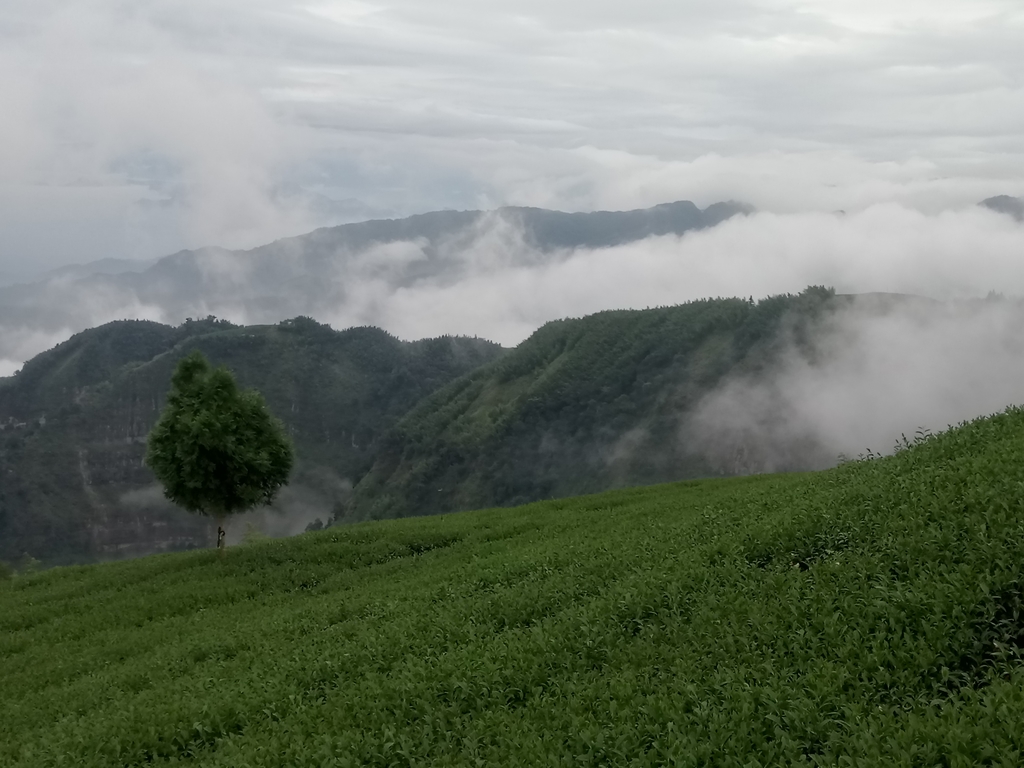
(253, 534)
(867, 615)
(6, 572)
(69, 483)
(584, 405)
(27, 565)
(216, 449)
(52, 379)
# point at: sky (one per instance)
(132, 130)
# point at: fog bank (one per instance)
(885, 248)
(877, 370)
(488, 281)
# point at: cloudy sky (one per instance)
(132, 129)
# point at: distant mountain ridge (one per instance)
(544, 229)
(98, 267)
(385, 428)
(322, 273)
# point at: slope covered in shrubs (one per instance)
(870, 614)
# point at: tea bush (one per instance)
(870, 614)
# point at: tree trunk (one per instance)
(221, 534)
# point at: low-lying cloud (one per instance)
(879, 370)
(21, 343)
(312, 494)
(885, 248)
(488, 281)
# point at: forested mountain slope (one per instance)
(76, 417)
(711, 388)
(594, 403)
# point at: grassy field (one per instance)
(867, 615)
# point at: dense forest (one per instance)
(75, 419)
(385, 428)
(589, 404)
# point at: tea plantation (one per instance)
(871, 614)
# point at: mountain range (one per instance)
(328, 273)
(386, 428)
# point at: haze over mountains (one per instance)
(716, 386)
(1013, 206)
(385, 428)
(439, 241)
(502, 274)
(710, 388)
(342, 274)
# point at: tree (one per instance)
(216, 449)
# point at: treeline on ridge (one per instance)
(384, 428)
(75, 420)
(585, 405)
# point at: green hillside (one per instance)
(871, 614)
(590, 404)
(74, 423)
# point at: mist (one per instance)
(886, 248)
(136, 134)
(488, 281)
(312, 494)
(879, 371)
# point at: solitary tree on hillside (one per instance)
(216, 449)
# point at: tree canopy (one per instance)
(216, 449)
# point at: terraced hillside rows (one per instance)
(870, 614)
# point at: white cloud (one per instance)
(21, 343)
(203, 117)
(489, 282)
(885, 248)
(874, 377)
(9, 367)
